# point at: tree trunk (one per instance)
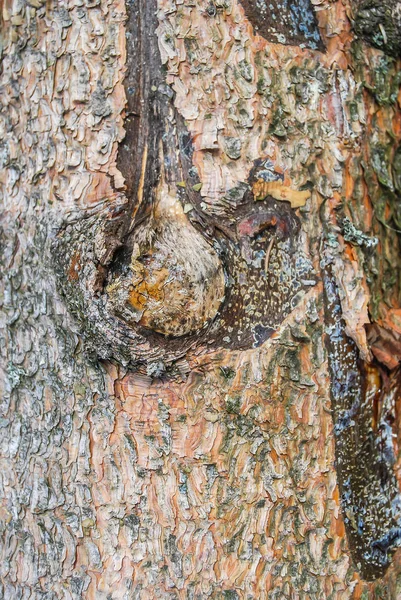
(200, 299)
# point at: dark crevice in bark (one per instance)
(149, 120)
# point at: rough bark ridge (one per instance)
(217, 481)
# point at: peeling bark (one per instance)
(243, 441)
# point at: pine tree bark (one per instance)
(200, 299)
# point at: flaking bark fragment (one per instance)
(285, 22)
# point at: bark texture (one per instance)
(206, 468)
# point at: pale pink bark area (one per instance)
(239, 470)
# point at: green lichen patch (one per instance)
(379, 23)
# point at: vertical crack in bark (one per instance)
(370, 497)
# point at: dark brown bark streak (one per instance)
(148, 112)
